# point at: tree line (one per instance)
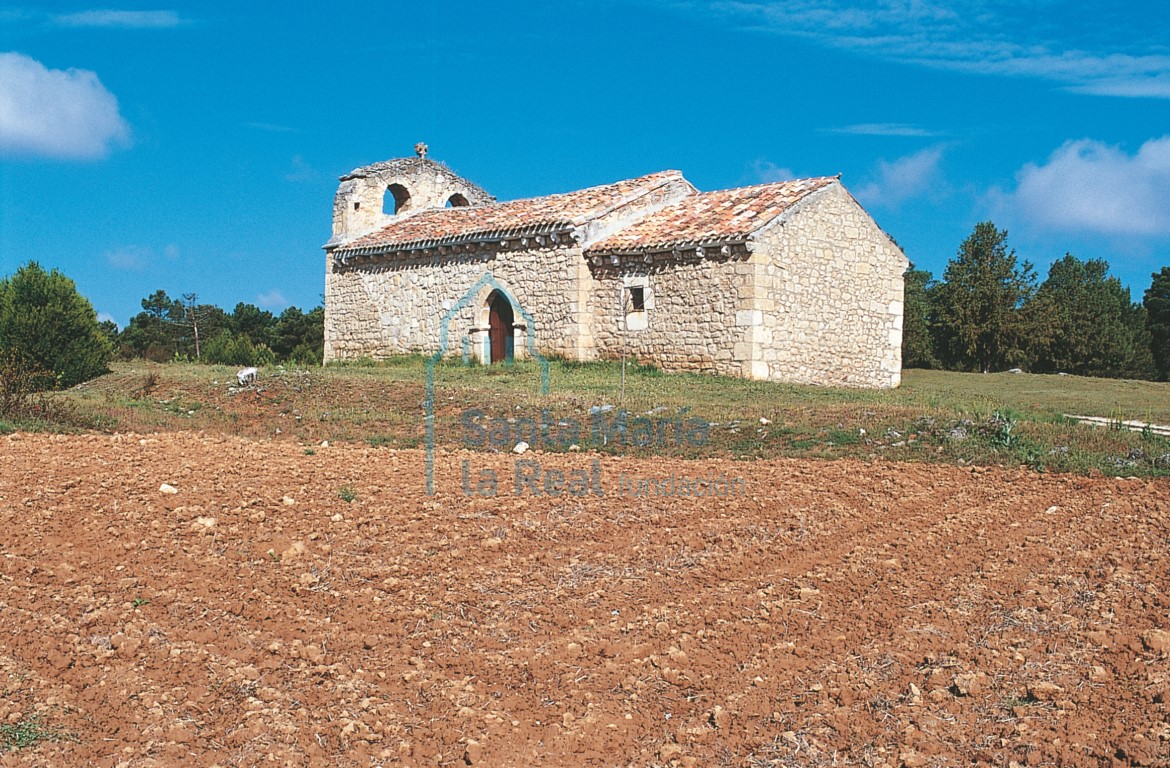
(50, 337)
(183, 329)
(990, 313)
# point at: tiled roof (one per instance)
(515, 218)
(728, 215)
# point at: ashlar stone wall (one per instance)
(828, 296)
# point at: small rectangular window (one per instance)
(637, 298)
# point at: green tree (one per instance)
(299, 337)
(1157, 305)
(48, 324)
(154, 333)
(110, 329)
(918, 344)
(1089, 321)
(1142, 365)
(982, 323)
(233, 349)
(198, 323)
(254, 323)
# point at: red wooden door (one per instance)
(499, 327)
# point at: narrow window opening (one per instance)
(356, 206)
(635, 309)
(637, 298)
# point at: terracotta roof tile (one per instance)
(727, 215)
(536, 215)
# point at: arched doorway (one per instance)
(500, 325)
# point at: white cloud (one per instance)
(137, 258)
(1089, 186)
(129, 257)
(56, 113)
(882, 129)
(273, 299)
(902, 179)
(301, 171)
(104, 316)
(121, 19)
(1151, 86)
(998, 37)
(767, 172)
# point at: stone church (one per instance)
(790, 281)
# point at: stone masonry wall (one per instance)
(690, 318)
(395, 305)
(828, 304)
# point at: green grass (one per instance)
(28, 732)
(934, 416)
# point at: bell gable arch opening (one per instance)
(395, 200)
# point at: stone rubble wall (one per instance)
(828, 297)
(691, 306)
(396, 305)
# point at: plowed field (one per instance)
(278, 604)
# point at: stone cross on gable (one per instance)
(420, 149)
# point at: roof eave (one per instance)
(469, 238)
(679, 246)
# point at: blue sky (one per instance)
(196, 148)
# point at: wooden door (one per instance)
(500, 328)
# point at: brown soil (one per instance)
(835, 613)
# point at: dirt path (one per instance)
(830, 613)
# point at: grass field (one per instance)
(934, 416)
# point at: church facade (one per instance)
(790, 281)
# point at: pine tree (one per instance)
(980, 303)
(1157, 305)
(47, 324)
(917, 320)
(1089, 320)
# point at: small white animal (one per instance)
(247, 376)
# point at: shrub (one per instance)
(50, 327)
(230, 349)
(306, 355)
(18, 380)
